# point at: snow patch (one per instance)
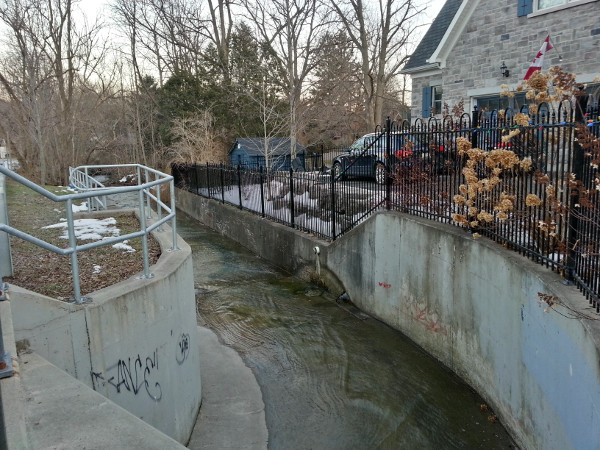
(89, 229)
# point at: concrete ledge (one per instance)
(64, 413)
(135, 343)
(12, 395)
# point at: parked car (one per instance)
(366, 157)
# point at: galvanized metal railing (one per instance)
(81, 180)
(148, 188)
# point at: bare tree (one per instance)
(290, 31)
(197, 139)
(52, 80)
(381, 36)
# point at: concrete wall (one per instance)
(470, 303)
(136, 342)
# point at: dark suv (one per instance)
(366, 158)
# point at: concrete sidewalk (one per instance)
(46, 408)
(232, 415)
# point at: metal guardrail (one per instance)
(148, 191)
(81, 180)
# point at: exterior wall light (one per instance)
(504, 70)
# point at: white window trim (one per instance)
(569, 4)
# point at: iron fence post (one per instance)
(208, 181)
(197, 180)
(222, 172)
(388, 163)
(262, 192)
(292, 197)
(239, 177)
(332, 175)
(578, 163)
(474, 125)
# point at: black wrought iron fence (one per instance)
(545, 207)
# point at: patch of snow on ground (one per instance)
(79, 208)
(124, 246)
(127, 178)
(90, 229)
(96, 268)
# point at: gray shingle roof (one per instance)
(254, 146)
(434, 35)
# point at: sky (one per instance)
(92, 8)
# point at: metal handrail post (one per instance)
(158, 206)
(6, 268)
(87, 182)
(174, 219)
(145, 236)
(73, 245)
(148, 194)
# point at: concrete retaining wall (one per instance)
(470, 303)
(136, 342)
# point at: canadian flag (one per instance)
(539, 58)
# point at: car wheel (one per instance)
(380, 173)
(337, 171)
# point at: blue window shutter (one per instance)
(524, 7)
(426, 105)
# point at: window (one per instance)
(545, 4)
(436, 97)
(432, 101)
(496, 103)
(593, 90)
(526, 7)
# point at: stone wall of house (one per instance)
(495, 34)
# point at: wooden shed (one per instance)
(250, 152)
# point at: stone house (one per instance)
(475, 46)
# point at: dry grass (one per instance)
(48, 273)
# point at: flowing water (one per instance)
(331, 376)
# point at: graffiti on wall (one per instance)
(133, 375)
(183, 348)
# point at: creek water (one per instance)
(331, 377)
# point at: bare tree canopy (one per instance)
(381, 35)
(55, 82)
(310, 70)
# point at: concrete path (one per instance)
(63, 413)
(232, 415)
(45, 408)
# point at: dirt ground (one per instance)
(48, 273)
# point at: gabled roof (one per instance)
(432, 39)
(277, 146)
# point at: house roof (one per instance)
(433, 37)
(277, 146)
